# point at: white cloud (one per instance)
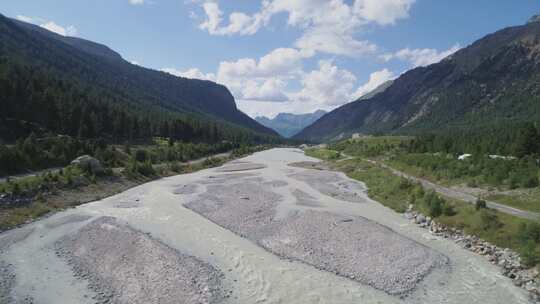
(375, 79)
(271, 89)
(60, 30)
(327, 26)
(327, 86)
(383, 12)
(25, 19)
(193, 73)
(136, 2)
(421, 57)
(265, 78)
(50, 25)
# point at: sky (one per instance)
(275, 56)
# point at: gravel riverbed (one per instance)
(255, 230)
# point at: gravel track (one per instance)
(124, 265)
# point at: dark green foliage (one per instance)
(434, 204)
(135, 168)
(449, 210)
(529, 236)
(69, 86)
(141, 155)
(35, 154)
(529, 255)
(480, 204)
(488, 220)
(515, 139)
(513, 173)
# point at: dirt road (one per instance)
(466, 197)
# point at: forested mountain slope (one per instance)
(77, 87)
(494, 81)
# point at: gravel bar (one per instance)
(124, 265)
(352, 247)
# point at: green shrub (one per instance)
(434, 204)
(488, 220)
(141, 155)
(480, 204)
(449, 210)
(175, 167)
(528, 254)
(16, 189)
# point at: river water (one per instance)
(252, 273)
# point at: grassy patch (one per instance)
(383, 186)
(495, 227)
(325, 154)
(17, 216)
(525, 200)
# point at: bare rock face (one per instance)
(87, 162)
(124, 265)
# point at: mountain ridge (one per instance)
(94, 63)
(288, 124)
(496, 78)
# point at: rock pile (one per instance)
(508, 260)
(12, 200)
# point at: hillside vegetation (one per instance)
(492, 84)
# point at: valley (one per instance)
(239, 262)
(239, 152)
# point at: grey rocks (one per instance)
(508, 260)
(89, 163)
(349, 246)
(124, 265)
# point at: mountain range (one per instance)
(287, 124)
(38, 64)
(494, 81)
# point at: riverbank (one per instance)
(463, 223)
(40, 195)
(277, 234)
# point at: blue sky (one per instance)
(280, 55)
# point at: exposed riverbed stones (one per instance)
(124, 265)
(508, 260)
(349, 246)
(186, 189)
(333, 185)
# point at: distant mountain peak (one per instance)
(288, 124)
(535, 18)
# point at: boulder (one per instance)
(87, 162)
(420, 219)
